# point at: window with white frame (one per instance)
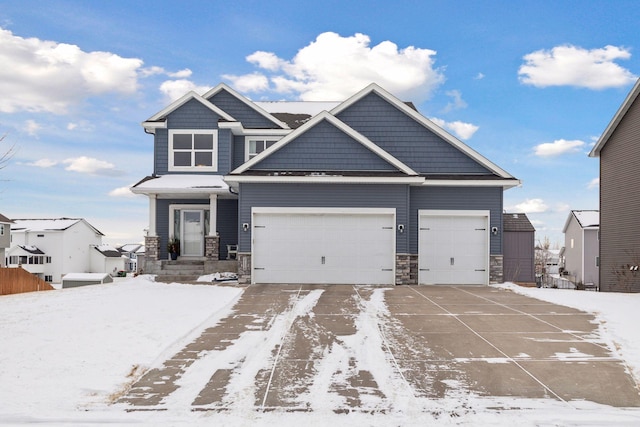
(193, 150)
(1, 229)
(255, 146)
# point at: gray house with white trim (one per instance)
(581, 246)
(5, 238)
(366, 191)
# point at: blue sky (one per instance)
(531, 85)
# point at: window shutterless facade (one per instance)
(255, 146)
(191, 150)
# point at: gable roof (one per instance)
(617, 118)
(325, 116)
(516, 222)
(158, 119)
(411, 112)
(589, 219)
(5, 220)
(108, 251)
(254, 106)
(52, 224)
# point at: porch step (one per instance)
(183, 278)
(180, 271)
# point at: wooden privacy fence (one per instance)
(18, 280)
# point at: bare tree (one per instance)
(5, 156)
(542, 257)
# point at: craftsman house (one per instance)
(364, 191)
(619, 152)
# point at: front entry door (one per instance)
(192, 233)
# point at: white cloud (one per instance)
(479, 76)
(254, 82)
(574, 66)
(334, 67)
(529, 206)
(558, 147)
(460, 129)
(174, 89)
(594, 183)
(32, 127)
(90, 166)
(122, 192)
(71, 126)
(39, 75)
(456, 103)
(43, 163)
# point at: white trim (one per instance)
(261, 137)
(183, 100)
(214, 150)
(457, 213)
(425, 122)
(341, 126)
(239, 130)
(246, 101)
(509, 183)
(324, 179)
(615, 121)
(177, 206)
(332, 211)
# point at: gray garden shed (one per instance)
(519, 248)
(73, 280)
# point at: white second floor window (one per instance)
(193, 150)
(256, 146)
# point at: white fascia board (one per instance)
(340, 125)
(323, 210)
(611, 127)
(152, 126)
(220, 87)
(506, 184)
(323, 179)
(424, 122)
(239, 130)
(183, 100)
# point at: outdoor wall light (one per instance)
(401, 228)
(245, 226)
(494, 231)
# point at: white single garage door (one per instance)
(453, 247)
(330, 245)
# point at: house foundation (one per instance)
(244, 268)
(212, 247)
(496, 269)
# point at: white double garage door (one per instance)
(358, 246)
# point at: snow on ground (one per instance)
(65, 355)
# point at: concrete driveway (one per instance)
(346, 348)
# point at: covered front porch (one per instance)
(192, 218)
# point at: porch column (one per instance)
(152, 216)
(212, 241)
(213, 210)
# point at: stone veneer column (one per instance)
(244, 268)
(212, 247)
(406, 269)
(496, 270)
(152, 247)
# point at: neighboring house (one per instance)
(581, 247)
(619, 152)
(51, 248)
(107, 259)
(5, 238)
(519, 248)
(132, 252)
(365, 191)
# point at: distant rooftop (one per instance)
(48, 224)
(587, 219)
(516, 222)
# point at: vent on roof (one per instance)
(515, 216)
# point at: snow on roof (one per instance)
(131, 247)
(176, 183)
(588, 219)
(50, 224)
(108, 251)
(296, 107)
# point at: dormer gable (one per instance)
(159, 120)
(243, 109)
(325, 144)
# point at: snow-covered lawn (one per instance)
(65, 355)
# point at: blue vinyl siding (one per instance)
(192, 115)
(322, 195)
(408, 141)
(457, 198)
(238, 151)
(240, 111)
(324, 148)
(227, 221)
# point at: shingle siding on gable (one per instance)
(620, 204)
(324, 148)
(240, 111)
(408, 141)
(323, 195)
(458, 198)
(192, 115)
